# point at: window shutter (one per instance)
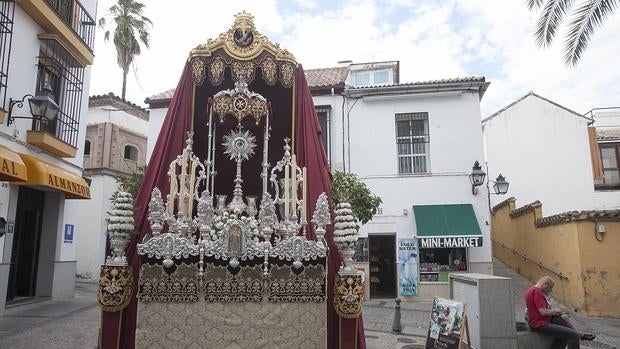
(595, 154)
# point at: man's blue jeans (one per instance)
(562, 334)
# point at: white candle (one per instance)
(183, 184)
(304, 193)
(212, 173)
(191, 190)
(294, 186)
(265, 152)
(173, 188)
(286, 190)
(209, 141)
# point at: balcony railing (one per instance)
(55, 61)
(64, 128)
(75, 16)
(7, 12)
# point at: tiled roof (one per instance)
(335, 77)
(115, 101)
(431, 82)
(160, 96)
(524, 209)
(572, 216)
(564, 217)
(608, 134)
(327, 77)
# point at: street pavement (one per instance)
(66, 324)
(74, 323)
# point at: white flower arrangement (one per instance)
(120, 227)
(220, 221)
(345, 226)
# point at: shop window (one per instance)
(437, 263)
(131, 153)
(87, 148)
(412, 140)
(361, 250)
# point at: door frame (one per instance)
(28, 200)
(392, 255)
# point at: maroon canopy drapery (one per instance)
(170, 143)
(310, 153)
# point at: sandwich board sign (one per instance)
(447, 325)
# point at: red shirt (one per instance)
(534, 300)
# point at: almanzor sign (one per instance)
(68, 185)
(450, 242)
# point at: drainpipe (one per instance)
(343, 158)
(348, 141)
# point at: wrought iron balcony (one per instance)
(75, 16)
(58, 136)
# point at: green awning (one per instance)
(447, 226)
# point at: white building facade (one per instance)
(114, 146)
(414, 145)
(46, 50)
(549, 153)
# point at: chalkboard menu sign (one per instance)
(447, 324)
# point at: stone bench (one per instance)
(527, 339)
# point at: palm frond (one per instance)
(534, 4)
(551, 18)
(146, 20)
(144, 37)
(588, 16)
(130, 28)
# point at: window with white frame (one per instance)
(412, 141)
(371, 78)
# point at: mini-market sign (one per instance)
(450, 242)
(447, 226)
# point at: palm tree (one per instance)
(130, 30)
(586, 17)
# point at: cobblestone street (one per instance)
(74, 323)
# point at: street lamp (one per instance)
(41, 106)
(500, 185)
(476, 177)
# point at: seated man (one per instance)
(550, 321)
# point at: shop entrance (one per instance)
(26, 241)
(382, 263)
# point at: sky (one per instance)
(432, 39)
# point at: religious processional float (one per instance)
(235, 247)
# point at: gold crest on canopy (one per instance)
(243, 50)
